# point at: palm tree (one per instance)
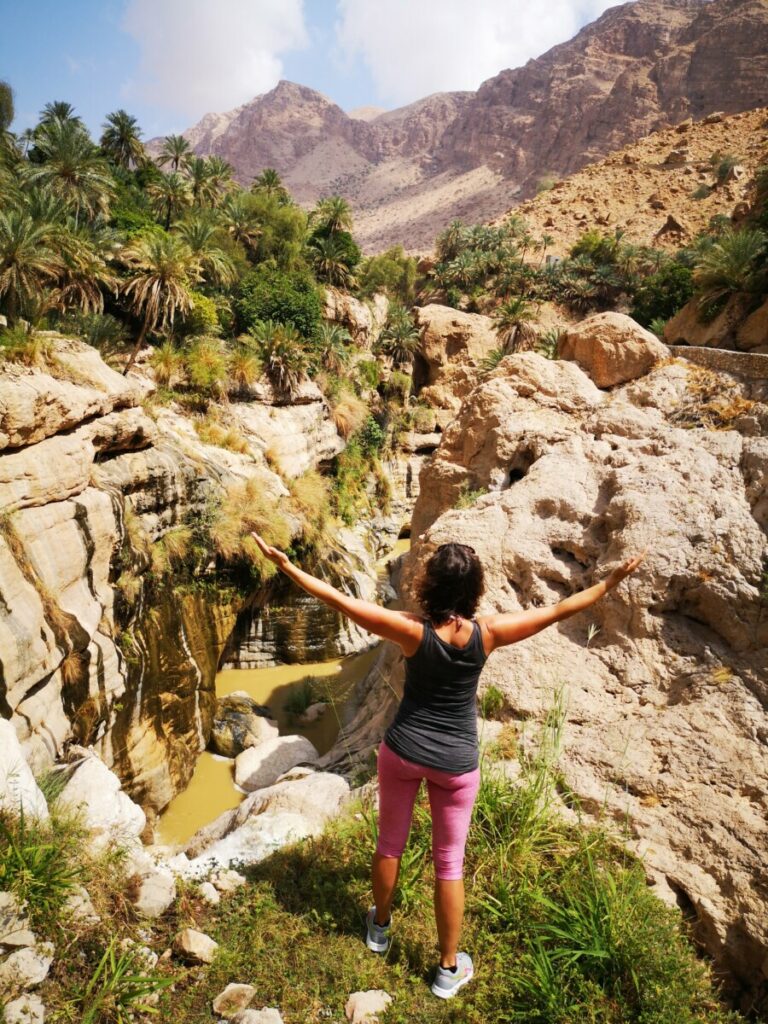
(508, 317)
(331, 344)
(199, 180)
(332, 214)
(329, 260)
(270, 184)
(72, 169)
(121, 140)
(282, 354)
(240, 220)
(400, 337)
(199, 235)
(162, 270)
(450, 242)
(170, 194)
(6, 106)
(29, 260)
(221, 177)
(61, 111)
(733, 265)
(176, 151)
(84, 271)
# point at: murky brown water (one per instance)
(211, 790)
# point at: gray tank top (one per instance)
(436, 722)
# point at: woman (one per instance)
(434, 733)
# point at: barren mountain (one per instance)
(661, 190)
(639, 67)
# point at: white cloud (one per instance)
(416, 47)
(198, 56)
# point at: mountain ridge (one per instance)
(637, 68)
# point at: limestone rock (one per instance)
(25, 968)
(228, 880)
(14, 926)
(268, 819)
(240, 722)
(365, 1007)
(267, 1015)
(612, 348)
(364, 321)
(233, 999)
(313, 712)
(151, 887)
(27, 1009)
(210, 893)
(258, 767)
(687, 326)
(95, 792)
(195, 946)
(666, 703)
(452, 346)
(18, 789)
(80, 908)
(752, 334)
(35, 405)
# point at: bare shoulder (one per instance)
(485, 623)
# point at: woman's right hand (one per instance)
(275, 555)
(624, 570)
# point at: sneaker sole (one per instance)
(376, 947)
(442, 993)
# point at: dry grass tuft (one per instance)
(243, 509)
(348, 415)
(212, 432)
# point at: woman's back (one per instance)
(436, 722)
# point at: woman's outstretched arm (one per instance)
(400, 627)
(509, 627)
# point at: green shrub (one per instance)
(372, 437)
(202, 317)
(468, 495)
(306, 692)
(20, 345)
(120, 987)
(702, 192)
(368, 372)
(391, 273)
(662, 294)
(284, 297)
(205, 364)
(491, 702)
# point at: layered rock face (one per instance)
(411, 171)
(90, 483)
(666, 677)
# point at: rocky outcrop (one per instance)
(238, 723)
(409, 172)
(363, 320)
(737, 326)
(96, 645)
(611, 348)
(451, 347)
(665, 679)
(262, 765)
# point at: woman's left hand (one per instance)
(275, 555)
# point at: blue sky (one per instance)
(170, 61)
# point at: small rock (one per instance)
(240, 722)
(228, 880)
(14, 930)
(684, 126)
(267, 1015)
(210, 893)
(258, 767)
(677, 157)
(714, 118)
(81, 908)
(25, 968)
(364, 1007)
(144, 954)
(151, 889)
(195, 946)
(313, 712)
(233, 999)
(27, 1009)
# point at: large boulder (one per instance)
(261, 766)
(666, 677)
(95, 793)
(240, 722)
(453, 344)
(297, 806)
(752, 334)
(732, 328)
(363, 320)
(612, 348)
(18, 790)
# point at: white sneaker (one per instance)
(377, 935)
(447, 982)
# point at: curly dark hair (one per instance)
(451, 583)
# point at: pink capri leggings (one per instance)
(451, 798)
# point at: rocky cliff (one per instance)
(408, 172)
(665, 679)
(100, 641)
